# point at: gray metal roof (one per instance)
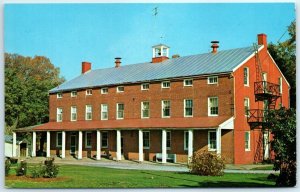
(201, 64)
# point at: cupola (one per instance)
(160, 53)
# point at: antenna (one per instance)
(155, 11)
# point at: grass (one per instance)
(71, 176)
(268, 167)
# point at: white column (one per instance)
(164, 146)
(190, 144)
(98, 157)
(79, 145)
(48, 143)
(33, 152)
(63, 145)
(14, 146)
(218, 138)
(141, 153)
(118, 145)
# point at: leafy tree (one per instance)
(27, 82)
(282, 123)
(284, 54)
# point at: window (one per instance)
(188, 82)
(104, 112)
(247, 106)
(280, 84)
(212, 80)
(166, 108)
(59, 95)
(145, 86)
(59, 116)
(145, 109)
(88, 139)
(104, 140)
(186, 140)
(74, 94)
(88, 112)
(146, 139)
(213, 106)
(89, 92)
(104, 90)
(120, 111)
(188, 108)
(212, 140)
(168, 140)
(120, 89)
(58, 139)
(246, 76)
(165, 84)
(73, 113)
(247, 141)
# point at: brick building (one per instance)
(168, 108)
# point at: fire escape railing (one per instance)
(265, 87)
(257, 116)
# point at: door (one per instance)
(73, 144)
(265, 84)
(266, 145)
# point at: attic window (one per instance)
(74, 94)
(145, 86)
(104, 90)
(165, 84)
(59, 95)
(89, 92)
(120, 89)
(212, 80)
(188, 82)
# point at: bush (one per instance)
(21, 169)
(206, 163)
(13, 160)
(37, 171)
(7, 166)
(46, 170)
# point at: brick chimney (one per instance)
(262, 39)
(85, 67)
(215, 46)
(118, 62)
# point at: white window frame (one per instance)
(208, 144)
(86, 144)
(248, 106)
(247, 69)
(117, 115)
(89, 92)
(59, 111)
(59, 95)
(58, 137)
(73, 107)
(186, 140)
(118, 89)
(249, 141)
(101, 112)
(142, 109)
(212, 77)
(102, 90)
(162, 109)
(280, 84)
(169, 148)
(102, 139)
(163, 85)
(73, 93)
(184, 106)
(86, 112)
(185, 84)
(208, 105)
(142, 86)
(146, 147)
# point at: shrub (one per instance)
(13, 160)
(21, 169)
(206, 163)
(37, 171)
(7, 166)
(50, 171)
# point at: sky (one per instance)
(71, 33)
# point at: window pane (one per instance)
(146, 139)
(186, 135)
(59, 139)
(246, 76)
(212, 140)
(168, 139)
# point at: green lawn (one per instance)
(268, 167)
(71, 176)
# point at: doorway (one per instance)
(73, 144)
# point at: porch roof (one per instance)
(152, 123)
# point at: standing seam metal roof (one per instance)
(201, 64)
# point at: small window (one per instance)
(165, 84)
(213, 106)
(104, 90)
(88, 139)
(166, 108)
(246, 76)
(145, 86)
(168, 140)
(58, 139)
(145, 109)
(89, 92)
(120, 89)
(88, 112)
(247, 106)
(212, 141)
(186, 140)
(188, 82)
(247, 141)
(212, 80)
(59, 95)
(74, 94)
(146, 139)
(73, 113)
(104, 140)
(120, 111)
(59, 113)
(280, 84)
(104, 111)
(188, 108)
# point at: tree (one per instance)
(27, 82)
(284, 54)
(282, 123)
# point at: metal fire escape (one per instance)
(265, 92)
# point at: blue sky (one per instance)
(71, 33)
